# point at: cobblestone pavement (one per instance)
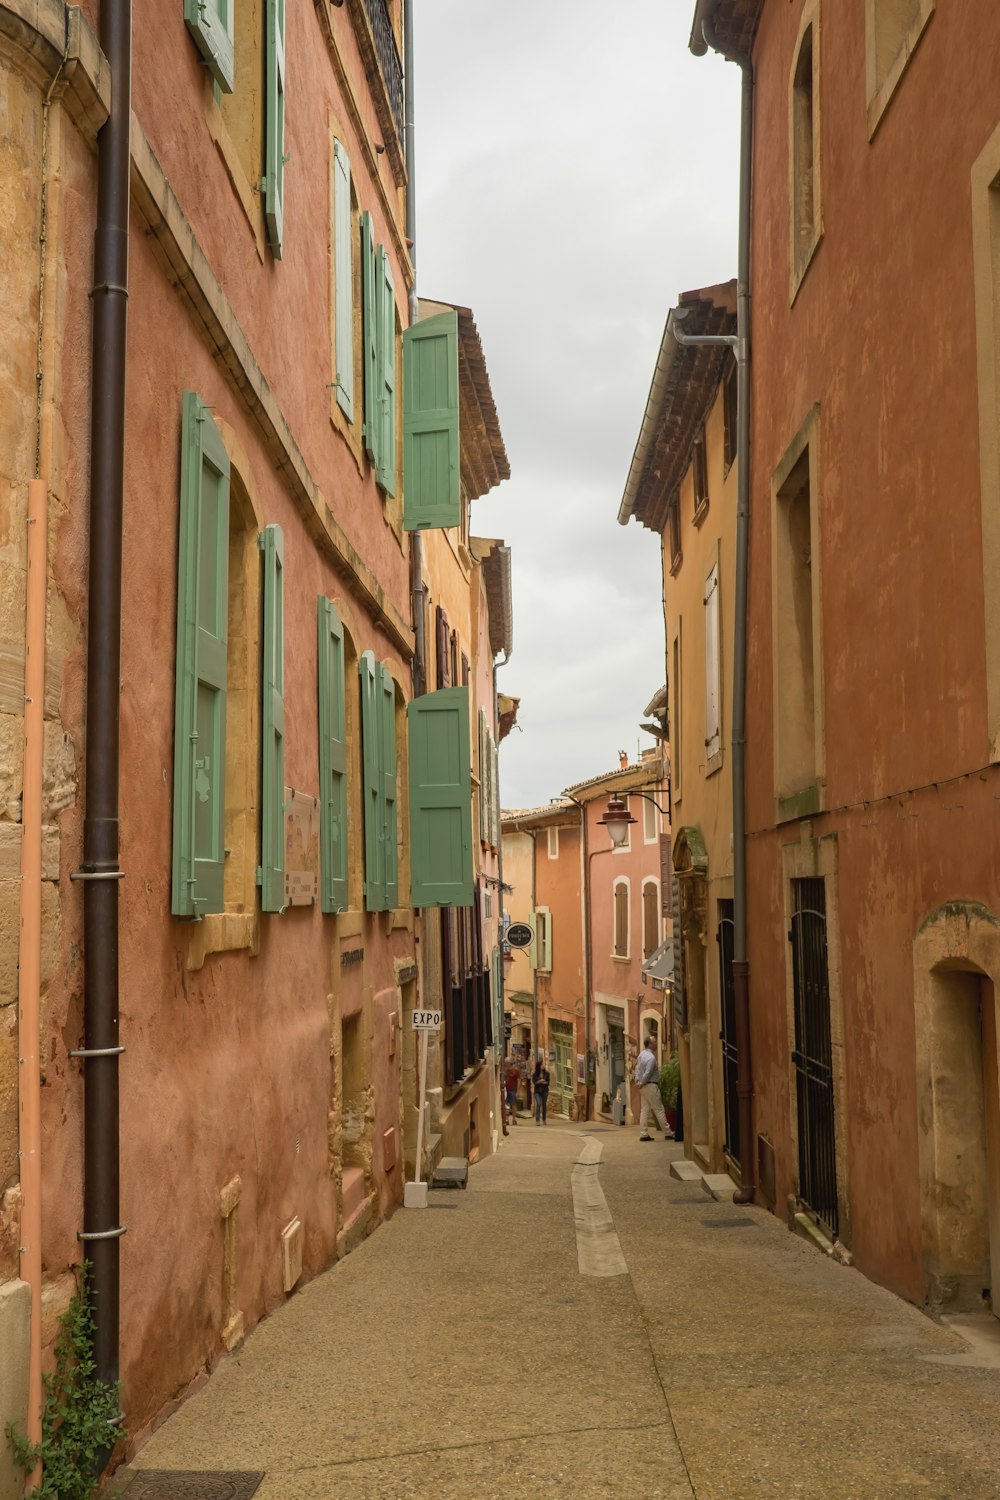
(493, 1346)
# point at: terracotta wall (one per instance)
(881, 337)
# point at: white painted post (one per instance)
(415, 1192)
(423, 1104)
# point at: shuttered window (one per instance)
(713, 684)
(650, 918)
(543, 938)
(621, 919)
(385, 472)
(387, 771)
(274, 124)
(343, 279)
(440, 798)
(332, 759)
(432, 488)
(200, 703)
(371, 695)
(483, 783)
(495, 777)
(272, 843)
(210, 22)
(370, 303)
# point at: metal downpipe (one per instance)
(741, 967)
(100, 873)
(417, 591)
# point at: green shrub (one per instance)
(78, 1414)
(670, 1080)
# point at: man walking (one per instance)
(647, 1076)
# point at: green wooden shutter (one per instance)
(343, 273)
(369, 289)
(440, 798)
(483, 788)
(210, 22)
(274, 124)
(533, 946)
(386, 474)
(432, 493)
(372, 784)
(495, 791)
(332, 759)
(198, 864)
(545, 939)
(387, 771)
(272, 850)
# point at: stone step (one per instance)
(718, 1185)
(451, 1172)
(685, 1171)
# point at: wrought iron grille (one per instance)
(388, 57)
(813, 1053)
(730, 1058)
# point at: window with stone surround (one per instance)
(892, 30)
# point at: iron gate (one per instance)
(730, 1058)
(813, 1056)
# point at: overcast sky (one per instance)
(576, 170)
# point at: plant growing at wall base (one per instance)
(670, 1077)
(78, 1414)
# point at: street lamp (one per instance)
(617, 820)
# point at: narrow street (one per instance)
(730, 1359)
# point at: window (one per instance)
(332, 759)
(385, 448)
(343, 281)
(553, 843)
(543, 940)
(440, 787)
(274, 145)
(713, 672)
(650, 917)
(699, 465)
(805, 152)
(272, 840)
(378, 744)
(676, 726)
(892, 30)
(210, 22)
(621, 919)
(650, 822)
(674, 531)
(797, 671)
(730, 414)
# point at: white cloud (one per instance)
(576, 171)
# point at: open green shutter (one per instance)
(198, 864)
(332, 759)
(370, 304)
(387, 770)
(483, 789)
(495, 792)
(272, 850)
(343, 272)
(432, 492)
(440, 798)
(274, 123)
(210, 22)
(533, 945)
(374, 801)
(386, 473)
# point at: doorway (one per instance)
(812, 1054)
(730, 1057)
(561, 1087)
(616, 1058)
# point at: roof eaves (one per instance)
(626, 779)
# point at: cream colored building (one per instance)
(682, 485)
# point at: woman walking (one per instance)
(540, 1085)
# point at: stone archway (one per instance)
(956, 980)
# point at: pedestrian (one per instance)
(511, 1082)
(540, 1085)
(647, 1076)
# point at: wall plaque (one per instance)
(301, 848)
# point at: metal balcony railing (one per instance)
(388, 58)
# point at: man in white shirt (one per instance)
(647, 1076)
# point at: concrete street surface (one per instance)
(590, 1328)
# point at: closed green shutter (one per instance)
(369, 290)
(495, 787)
(387, 771)
(274, 124)
(483, 787)
(210, 22)
(343, 273)
(386, 449)
(198, 864)
(272, 841)
(374, 801)
(432, 492)
(332, 759)
(440, 798)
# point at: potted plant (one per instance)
(670, 1078)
